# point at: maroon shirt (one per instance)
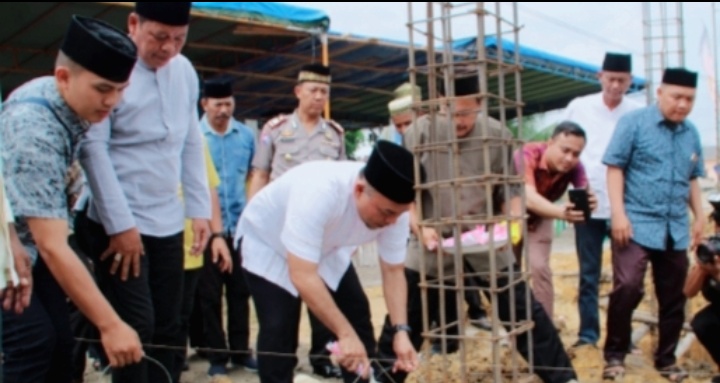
(550, 185)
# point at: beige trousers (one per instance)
(539, 249)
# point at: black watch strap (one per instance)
(216, 235)
(402, 327)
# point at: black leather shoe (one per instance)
(327, 371)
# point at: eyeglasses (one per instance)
(162, 38)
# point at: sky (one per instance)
(580, 31)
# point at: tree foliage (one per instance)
(353, 139)
(531, 129)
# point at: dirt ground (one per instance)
(588, 361)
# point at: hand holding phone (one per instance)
(579, 198)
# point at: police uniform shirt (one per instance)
(150, 144)
(284, 143)
(473, 198)
(313, 215)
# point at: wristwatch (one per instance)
(215, 235)
(401, 327)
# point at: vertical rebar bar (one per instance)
(647, 39)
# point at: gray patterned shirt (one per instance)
(37, 151)
(659, 160)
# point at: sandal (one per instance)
(613, 369)
(673, 373)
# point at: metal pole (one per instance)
(681, 33)
(326, 62)
(713, 41)
(647, 20)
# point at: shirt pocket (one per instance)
(240, 157)
(329, 152)
(653, 157)
(684, 162)
(287, 155)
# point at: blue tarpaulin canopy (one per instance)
(272, 13)
(261, 46)
(221, 34)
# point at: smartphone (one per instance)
(579, 198)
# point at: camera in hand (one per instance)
(708, 250)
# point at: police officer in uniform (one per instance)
(289, 140)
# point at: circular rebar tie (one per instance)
(106, 370)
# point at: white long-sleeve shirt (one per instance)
(591, 113)
(135, 160)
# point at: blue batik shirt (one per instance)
(38, 147)
(659, 159)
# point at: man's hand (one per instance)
(571, 215)
(430, 238)
(201, 233)
(698, 229)
(18, 297)
(221, 255)
(592, 200)
(126, 248)
(621, 229)
(353, 356)
(122, 345)
(407, 359)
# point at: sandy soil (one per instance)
(587, 361)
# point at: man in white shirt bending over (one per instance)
(297, 237)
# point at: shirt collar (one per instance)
(660, 120)
(320, 127)
(76, 124)
(542, 162)
(233, 126)
(140, 63)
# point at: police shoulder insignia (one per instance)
(275, 122)
(336, 126)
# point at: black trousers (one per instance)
(279, 317)
(706, 325)
(211, 286)
(82, 327)
(551, 362)
(196, 330)
(189, 289)
(38, 343)
(472, 297)
(473, 300)
(320, 336)
(150, 303)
